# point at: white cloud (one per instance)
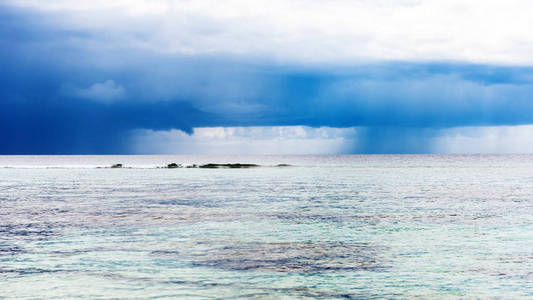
(323, 140)
(246, 140)
(309, 31)
(501, 139)
(106, 91)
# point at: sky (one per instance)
(266, 77)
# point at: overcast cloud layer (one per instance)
(95, 77)
(483, 31)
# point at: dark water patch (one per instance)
(166, 253)
(300, 292)
(308, 216)
(299, 257)
(28, 271)
(11, 250)
(67, 253)
(192, 203)
(299, 217)
(27, 231)
(340, 217)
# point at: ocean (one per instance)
(325, 227)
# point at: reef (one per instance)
(227, 166)
(216, 166)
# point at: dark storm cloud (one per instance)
(83, 127)
(51, 80)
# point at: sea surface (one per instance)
(326, 227)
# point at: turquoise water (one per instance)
(327, 227)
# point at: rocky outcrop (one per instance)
(213, 166)
(228, 166)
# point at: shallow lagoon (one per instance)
(393, 226)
